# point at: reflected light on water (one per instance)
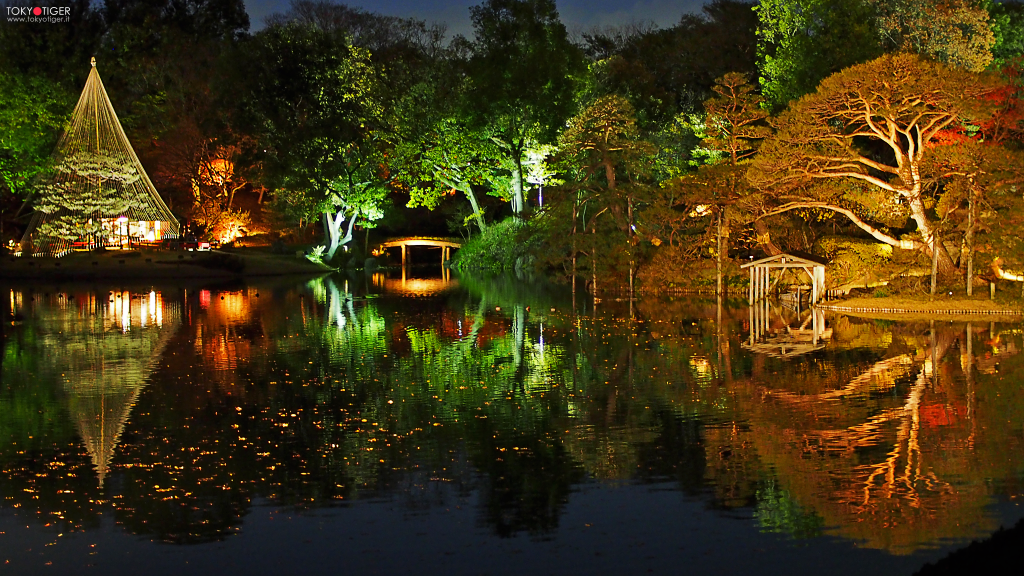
(880, 435)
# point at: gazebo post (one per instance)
(814, 286)
(750, 288)
(819, 282)
(757, 283)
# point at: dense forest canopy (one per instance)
(630, 154)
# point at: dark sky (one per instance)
(577, 14)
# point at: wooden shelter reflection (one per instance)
(782, 333)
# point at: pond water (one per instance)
(387, 425)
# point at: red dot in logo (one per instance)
(37, 11)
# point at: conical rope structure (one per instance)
(98, 193)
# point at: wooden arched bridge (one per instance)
(445, 244)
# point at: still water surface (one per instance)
(382, 425)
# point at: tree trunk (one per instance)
(467, 189)
(970, 243)
(517, 188)
(332, 229)
(944, 262)
(632, 253)
(718, 262)
(575, 223)
(764, 238)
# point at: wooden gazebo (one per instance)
(761, 281)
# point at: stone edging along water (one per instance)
(955, 312)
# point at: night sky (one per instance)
(577, 14)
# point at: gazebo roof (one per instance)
(787, 260)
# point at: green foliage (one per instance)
(522, 74)
(1008, 28)
(33, 112)
(606, 166)
(314, 100)
(680, 147)
(502, 247)
(801, 42)
(451, 156)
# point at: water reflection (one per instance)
(784, 330)
(95, 351)
(188, 404)
(407, 285)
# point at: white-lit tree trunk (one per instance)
(333, 221)
(518, 203)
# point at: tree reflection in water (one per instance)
(893, 435)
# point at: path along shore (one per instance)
(939, 307)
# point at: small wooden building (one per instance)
(766, 273)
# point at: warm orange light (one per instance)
(216, 172)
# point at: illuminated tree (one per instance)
(521, 75)
(214, 183)
(957, 32)
(33, 111)
(451, 157)
(1008, 27)
(800, 42)
(78, 211)
(97, 179)
(981, 198)
(734, 126)
(693, 210)
(605, 164)
(314, 101)
(860, 144)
